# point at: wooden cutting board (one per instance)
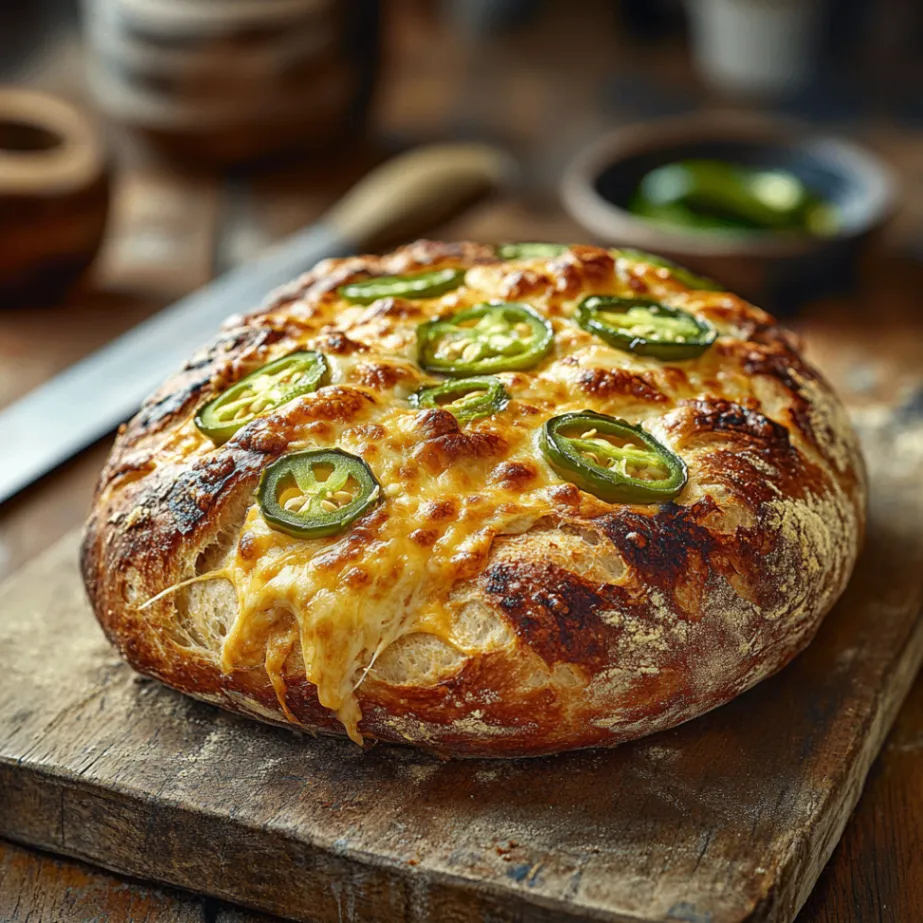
(729, 818)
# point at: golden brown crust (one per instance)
(584, 625)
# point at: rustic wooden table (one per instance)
(170, 233)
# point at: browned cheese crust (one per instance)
(486, 607)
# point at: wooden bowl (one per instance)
(54, 196)
(779, 270)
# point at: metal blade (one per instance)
(91, 398)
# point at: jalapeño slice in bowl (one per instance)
(686, 276)
(316, 492)
(465, 398)
(419, 285)
(612, 459)
(484, 339)
(261, 391)
(646, 328)
(530, 250)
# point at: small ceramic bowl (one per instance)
(778, 270)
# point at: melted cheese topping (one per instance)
(446, 494)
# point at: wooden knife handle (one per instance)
(413, 192)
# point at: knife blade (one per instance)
(402, 197)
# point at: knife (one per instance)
(397, 200)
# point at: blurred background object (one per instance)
(54, 195)
(292, 87)
(225, 82)
(773, 209)
(756, 47)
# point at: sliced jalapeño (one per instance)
(419, 285)
(465, 398)
(612, 459)
(686, 276)
(530, 250)
(644, 327)
(261, 391)
(485, 339)
(316, 492)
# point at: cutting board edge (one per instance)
(801, 869)
(490, 897)
(780, 906)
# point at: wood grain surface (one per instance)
(727, 819)
(40, 888)
(44, 889)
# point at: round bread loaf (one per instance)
(486, 600)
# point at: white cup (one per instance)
(755, 47)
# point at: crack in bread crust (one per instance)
(513, 613)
